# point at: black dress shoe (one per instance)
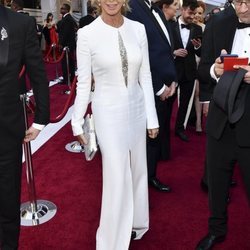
(154, 182)
(209, 241)
(133, 235)
(182, 136)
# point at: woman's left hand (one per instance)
(153, 132)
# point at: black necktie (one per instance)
(147, 2)
(242, 25)
(187, 26)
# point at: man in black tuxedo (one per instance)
(17, 5)
(67, 38)
(18, 47)
(163, 77)
(89, 18)
(227, 142)
(187, 44)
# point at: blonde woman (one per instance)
(114, 50)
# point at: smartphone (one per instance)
(198, 37)
(227, 56)
(229, 62)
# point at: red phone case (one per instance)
(229, 62)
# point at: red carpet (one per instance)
(177, 220)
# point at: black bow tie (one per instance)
(187, 26)
(242, 25)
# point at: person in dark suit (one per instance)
(89, 18)
(39, 33)
(227, 142)
(187, 44)
(67, 38)
(17, 5)
(164, 80)
(18, 47)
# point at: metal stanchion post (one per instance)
(34, 212)
(54, 57)
(57, 79)
(67, 63)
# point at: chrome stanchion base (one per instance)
(46, 210)
(74, 147)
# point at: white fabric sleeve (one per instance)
(84, 82)
(38, 126)
(161, 90)
(145, 80)
(212, 73)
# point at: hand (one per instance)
(247, 75)
(218, 65)
(31, 134)
(153, 132)
(82, 140)
(165, 93)
(172, 88)
(196, 43)
(181, 52)
(205, 108)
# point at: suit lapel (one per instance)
(152, 17)
(166, 23)
(4, 37)
(230, 35)
(190, 37)
(170, 34)
(178, 33)
(229, 26)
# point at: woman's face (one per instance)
(170, 10)
(111, 7)
(198, 18)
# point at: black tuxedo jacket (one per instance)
(85, 20)
(186, 66)
(213, 42)
(160, 52)
(67, 32)
(18, 47)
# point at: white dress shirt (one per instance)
(184, 33)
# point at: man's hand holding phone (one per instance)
(228, 62)
(219, 64)
(196, 42)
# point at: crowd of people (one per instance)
(142, 56)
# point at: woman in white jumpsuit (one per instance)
(114, 50)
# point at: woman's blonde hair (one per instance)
(124, 10)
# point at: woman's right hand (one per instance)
(82, 140)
